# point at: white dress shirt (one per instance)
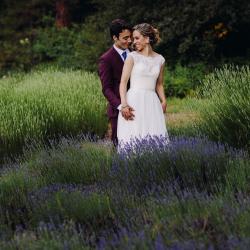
(120, 51)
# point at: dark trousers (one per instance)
(113, 122)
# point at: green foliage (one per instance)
(34, 22)
(203, 218)
(85, 165)
(190, 30)
(75, 47)
(47, 237)
(238, 176)
(68, 164)
(90, 209)
(17, 21)
(48, 103)
(226, 114)
(183, 80)
(14, 186)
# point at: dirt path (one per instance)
(180, 119)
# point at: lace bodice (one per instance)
(145, 71)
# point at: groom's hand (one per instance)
(127, 113)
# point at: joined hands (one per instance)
(127, 113)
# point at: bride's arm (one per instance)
(160, 88)
(126, 72)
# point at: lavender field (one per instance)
(74, 191)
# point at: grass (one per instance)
(185, 105)
(182, 115)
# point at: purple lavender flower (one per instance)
(159, 244)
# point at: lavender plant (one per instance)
(48, 103)
(226, 114)
(93, 210)
(188, 193)
(71, 162)
(192, 162)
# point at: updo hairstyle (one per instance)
(149, 31)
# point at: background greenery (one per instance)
(192, 31)
(197, 36)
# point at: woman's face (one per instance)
(139, 40)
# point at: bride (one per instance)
(146, 96)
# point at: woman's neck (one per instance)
(147, 51)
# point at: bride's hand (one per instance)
(164, 107)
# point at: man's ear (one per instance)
(115, 38)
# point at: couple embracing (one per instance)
(132, 82)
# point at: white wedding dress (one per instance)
(149, 120)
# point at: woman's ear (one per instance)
(147, 40)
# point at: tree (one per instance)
(191, 29)
(21, 20)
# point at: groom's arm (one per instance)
(105, 74)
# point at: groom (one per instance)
(110, 70)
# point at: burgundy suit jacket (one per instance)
(110, 66)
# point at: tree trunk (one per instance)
(62, 14)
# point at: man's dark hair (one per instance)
(117, 26)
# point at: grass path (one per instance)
(182, 112)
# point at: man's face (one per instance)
(124, 39)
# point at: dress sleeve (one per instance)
(162, 59)
(133, 55)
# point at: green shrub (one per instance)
(226, 113)
(86, 164)
(196, 216)
(181, 81)
(47, 103)
(16, 55)
(14, 186)
(91, 209)
(47, 236)
(238, 176)
(73, 47)
(194, 163)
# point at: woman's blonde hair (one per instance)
(149, 31)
